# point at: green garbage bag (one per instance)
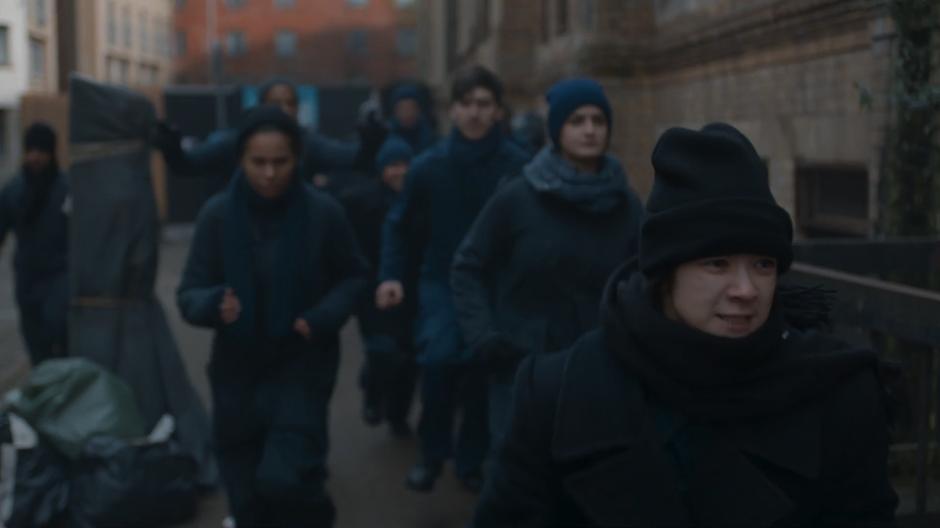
(69, 401)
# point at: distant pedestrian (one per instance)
(389, 373)
(408, 120)
(216, 157)
(33, 206)
(275, 270)
(708, 397)
(445, 189)
(530, 274)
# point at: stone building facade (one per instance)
(807, 80)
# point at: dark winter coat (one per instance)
(216, 157)
(446, 187)
(367, 204)
(333, 274)
(41, 243)
(590, 446)
(529, 276)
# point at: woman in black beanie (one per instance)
(705, 398)
(529, 275)
(275, 271)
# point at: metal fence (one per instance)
(888, 294)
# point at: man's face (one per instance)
(407, 113)
(476, 113)
(282, 96)
(36, 160)
(393, 175)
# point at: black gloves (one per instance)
(372, 134)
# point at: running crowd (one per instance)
(582, 358)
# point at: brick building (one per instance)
(790, 73)
(323, 42)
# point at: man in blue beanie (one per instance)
(444, 191)
(389, 374)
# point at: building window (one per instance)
(145, 34)
(402, 4)
(234, 4)
(39, 13)
(407, 42)
(126, 26)
(358, 3)
(112, 24)
(545, 20)
(284, 4)
(285, 43)
(37, 59)
(235, 43)
(357, 42)
(180, 43)
(4, 46)
(832, 200)
(561, 17)
(588, 8)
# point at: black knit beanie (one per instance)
(267, 117)
(265, 88)
(39, 136)
(710, 197)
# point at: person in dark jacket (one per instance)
(216, 157)
(32, 205)
(706, 397)
(445, 189)
(408, 120)
(275, 270)
(389, 375)
(529, 276)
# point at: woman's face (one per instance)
(727, 296)
(584, 135)
(269, 163)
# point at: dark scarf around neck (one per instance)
(467, 152)
(285, 300)
(37, 188)
(601, 192)
(716, 379)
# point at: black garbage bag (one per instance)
(117, 483)
(34, 490)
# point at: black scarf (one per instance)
(717, 379)
(36, 190)
(285, 300)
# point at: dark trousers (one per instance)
(43, 308)
(272, 440)
(389, 376)
(447, 390)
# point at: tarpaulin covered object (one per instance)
(69, 401)
(115, 318)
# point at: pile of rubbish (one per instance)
(74, 453)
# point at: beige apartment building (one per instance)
(117, 41)
(792, 74)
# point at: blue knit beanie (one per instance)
(394, 150)
(567, 96)
(405, 91)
